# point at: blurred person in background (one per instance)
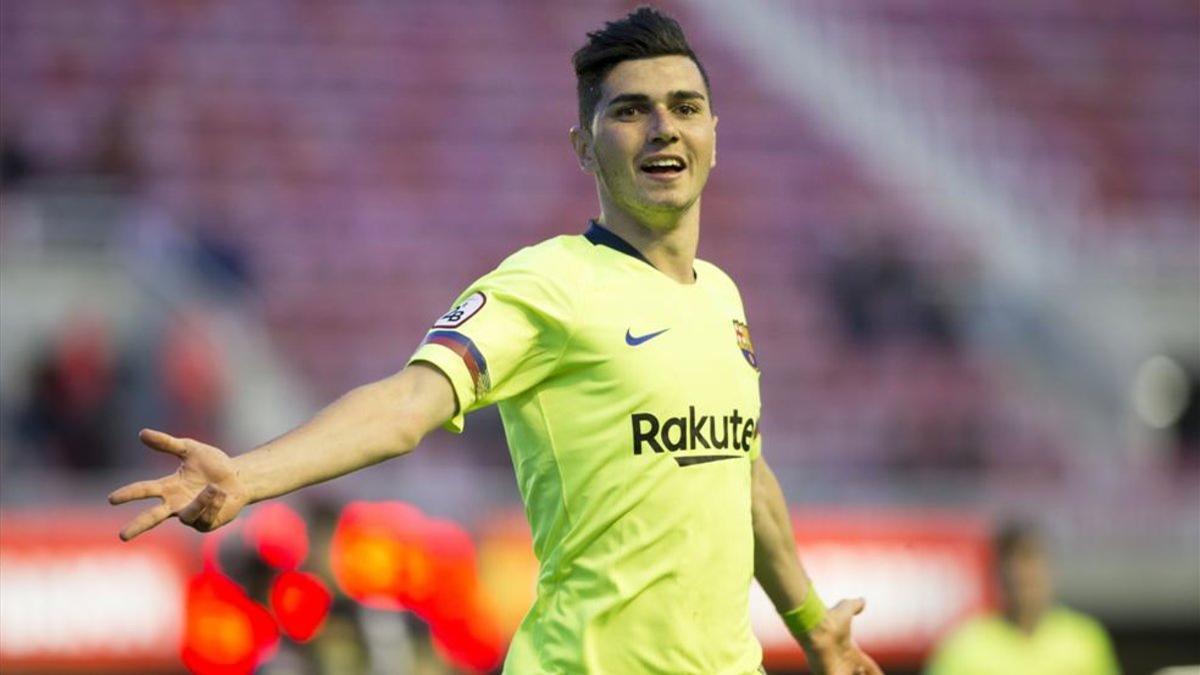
(192, 375)
(651, 506)
(1032, 634)
(74, 384)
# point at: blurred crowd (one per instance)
(352, 166)
(86, 392)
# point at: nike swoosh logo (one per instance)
(635, 341)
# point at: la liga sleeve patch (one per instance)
(462, 311)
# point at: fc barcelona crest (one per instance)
(744, 343)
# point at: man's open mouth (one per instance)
(663, 165)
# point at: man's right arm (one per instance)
(367, 425)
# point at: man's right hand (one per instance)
(204, 492)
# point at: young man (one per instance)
(1031, 634)
(628, 385)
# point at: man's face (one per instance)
(1025, 579)
(653, 138)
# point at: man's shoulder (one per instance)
(719, 279)
(981, 641)
(1066, 618)
(546, 258)
(704, 267)
(554, 270)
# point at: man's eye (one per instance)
(628, 111)
(689, 109)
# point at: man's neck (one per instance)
(1026, 620)
(669, 245)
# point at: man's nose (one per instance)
(662, 127)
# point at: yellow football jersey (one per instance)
(631, 408)
(1065, 642)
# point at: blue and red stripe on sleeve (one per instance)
(463, 346)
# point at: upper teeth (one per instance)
(665, 161)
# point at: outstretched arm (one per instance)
(824, 635)
(369, 424)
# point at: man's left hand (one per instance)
(831, 650)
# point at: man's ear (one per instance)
(714, 157)
(581, 142)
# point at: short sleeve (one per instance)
(503, 336)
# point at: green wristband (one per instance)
(807, 616)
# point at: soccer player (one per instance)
(1031, 634)
(628, 385)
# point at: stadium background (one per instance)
(967, 233)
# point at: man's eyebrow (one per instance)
(678, 95)
(628, 98)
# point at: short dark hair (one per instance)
(1016, 536)
(642, 34)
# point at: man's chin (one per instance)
(661, 216)
(654, 205)
(665, 202)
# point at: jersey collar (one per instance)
(602, 236)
